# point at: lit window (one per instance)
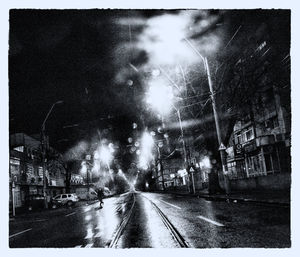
(19, 148)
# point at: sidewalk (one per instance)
(281, 198)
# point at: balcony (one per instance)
(265, 140)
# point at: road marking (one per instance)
(88, 246)
(98, 234)
(89, 234)
(20, 232)
(211, 221)
(171, 204)
(72, 213)
(78, 246)
(41, 220)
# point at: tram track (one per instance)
(178, 238)
(113, 242)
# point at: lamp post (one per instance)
(216, 117)
(44, 148)
(87, 161)
(186, 159)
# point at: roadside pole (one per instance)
(193, 181)
(13, 199)
(216, 117)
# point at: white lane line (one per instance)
(211, 221)
(41, 220)
(89, 234)
(98, 234)
(21, 232)
(88, 246)
(78, 246)
(170, 204)
(72, 213)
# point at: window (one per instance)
(249, 134)
(272, 123)
(272, 162)
(268, 162)
(19, 148)
(254, 166)
(64, 196)
(238, 138)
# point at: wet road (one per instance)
(156, 220)
(85, 226)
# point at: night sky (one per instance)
(90, 60)
(70, 55)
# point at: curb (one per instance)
(233, 199)
(245, 200)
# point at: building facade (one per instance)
(26, 169)
(259, 147)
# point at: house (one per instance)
(258, 154)
(26, 169)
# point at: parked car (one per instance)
(34, 202)
(83, 195)
(64, 199)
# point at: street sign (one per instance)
(222, 147)
(192, 170)
(239, 148)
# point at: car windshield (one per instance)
(56, 197)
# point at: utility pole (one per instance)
(44, 166)
(44, 149)
(161, 167)
(221, 146)
(88, 159)
(186, 159)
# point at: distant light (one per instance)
(132, 149)
(205, 163)
(130, 140)
(136, 144)
(155, 72)
(166, 135)
(111, 147)
(134, 125)
(147, 141)
(160, 144)
(129, 82)
(105, 154)
(138, 152)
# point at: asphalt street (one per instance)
(141, 220)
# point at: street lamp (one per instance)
(216, 117)
(43, 128)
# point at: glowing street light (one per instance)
(105, 154)
(145, 155)
(160, 97)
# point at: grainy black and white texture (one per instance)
(182, 117)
